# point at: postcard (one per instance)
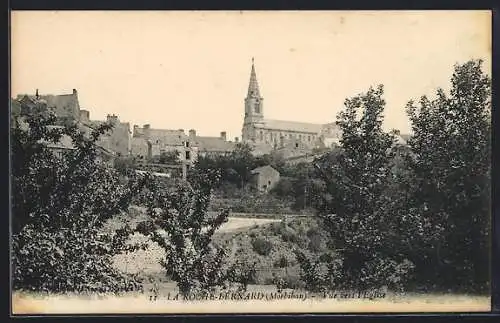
(250, 161)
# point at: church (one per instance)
(278, 134)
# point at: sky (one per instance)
(190, 69)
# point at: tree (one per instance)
(59, 206)
(125, 165)
(450, 167)
(235, 167)
(181, 225)
(242, 162)
(356, 212)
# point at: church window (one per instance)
(261, 135)
(309, 138)
(188, 155)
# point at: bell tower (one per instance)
(254, 112)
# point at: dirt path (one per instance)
(234, 223)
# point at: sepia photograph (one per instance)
(176, 162)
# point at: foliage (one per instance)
(125, 164)
(169, 157)
(356, 211)
(181, 226)
(449, 165)
(59, 205)
(243, 272)
(262, 246)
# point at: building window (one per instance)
(187, 144)
(309, 138)
(269, 182)
(296, 145)
(188, 155)
(261, 135)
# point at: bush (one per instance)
(262, 246)
(282, 262)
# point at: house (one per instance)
(65, 106)
(148, 143)
(264, 178)
(212, 146)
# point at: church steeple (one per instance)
(254, 110)
(253, 86)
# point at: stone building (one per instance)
(264, 178)
(261, 132)
(65, 106)
(118, 139)
(38, 105)
(210, 146)
(148, 142)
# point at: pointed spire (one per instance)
(253, 86)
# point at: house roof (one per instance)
(65, 142)
(60, 102)
(291, 126)
(213, 144)
(261, 169)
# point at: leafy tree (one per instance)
(125, 165)
(234, 167)
(242, 162)
(59, 206)
(356, 211)
(181, 225)
(450, 167)
(262, 246)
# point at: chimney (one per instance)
(181, 130)
(236, 139)
(147, 126)
(74, 91)
(192, 133)
(223, 135)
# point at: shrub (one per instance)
(262, 246)
(282, 262)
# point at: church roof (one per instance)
(292, 126)
(253, 86)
